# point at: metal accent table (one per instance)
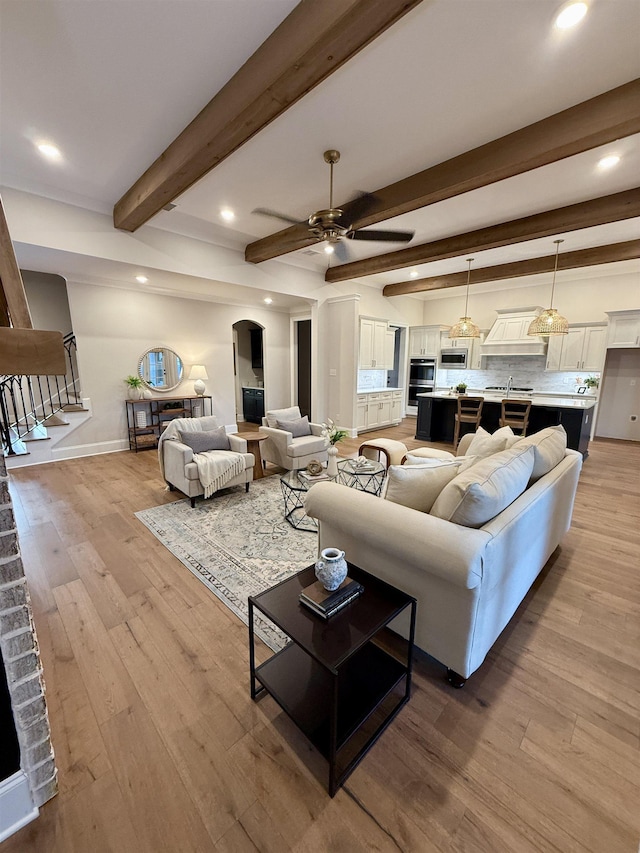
(342, 681)
(364, 480)
(294, 488)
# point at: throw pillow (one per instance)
(201, 441)
(418, 486)
(419, 454)
(484, 444)
(289, 414)
(297, 426)
(478, 494)
(549, 446)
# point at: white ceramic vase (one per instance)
(331, 569)
(332, 461)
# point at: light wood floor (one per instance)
(160, 748)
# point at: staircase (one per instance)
(36, 412)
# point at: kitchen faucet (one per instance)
(510, 380)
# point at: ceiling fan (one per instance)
(330, 225)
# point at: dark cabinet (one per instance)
(253, 404)
(256, 347)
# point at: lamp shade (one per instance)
(550, 322)
(198, 372)
(465, 327)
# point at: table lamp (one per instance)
(198, 372)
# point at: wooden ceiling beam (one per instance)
(595, 122)
(14, 297)
(309, 45)
(531, 266)
(585, 214)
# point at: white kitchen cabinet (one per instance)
(475, 352)
(374, 346)
(624, 329)
(582, 348)
(424, 341)
(378, 409)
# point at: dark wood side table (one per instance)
(253, 440)
(337, 679)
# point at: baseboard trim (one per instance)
(95, 449)
(16, 805)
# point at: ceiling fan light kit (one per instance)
(330, 226)
(465, 327)
(550, 322)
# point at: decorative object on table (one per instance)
(362, 464)
(461, 387)
(147, 395)
(333, 435)
(141, 420)
(325, 603)
(198, 372)
(331, 569)
(312, 478)
(550, 322)
(314, 468)
(592, 383)
(465, 327)
(135, 387)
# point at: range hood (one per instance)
(508, 335)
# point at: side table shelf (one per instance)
(144, 432)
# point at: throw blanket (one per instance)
(215, 467)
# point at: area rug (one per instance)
(237, 543)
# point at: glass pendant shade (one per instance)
(550, 322)
(465, 327)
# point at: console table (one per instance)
(157, 414)
(342, 681)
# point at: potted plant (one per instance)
(333, 435)
(592, 382)
(461, 387)
(135, 387)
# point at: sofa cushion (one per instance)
(202, 440)
(296, 426)
(484, 444)
(290, 414)
(549, 447)
(419, 454)
(417, 486)
(478, 494)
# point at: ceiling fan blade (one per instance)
(384, 236)
(265, 211)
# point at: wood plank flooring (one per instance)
(159, 747)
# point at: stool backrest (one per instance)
(516, 411)
(470, 407)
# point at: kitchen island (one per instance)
(436, 416)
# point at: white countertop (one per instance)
(376, 390)
(253, 388)
(537, 400)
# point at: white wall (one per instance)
(48, 303)
(114, 327)
(620, 396)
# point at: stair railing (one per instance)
(27, 402)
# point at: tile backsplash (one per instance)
(371, 379)
(527, 372)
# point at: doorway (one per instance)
(303, 366)
(248, 365)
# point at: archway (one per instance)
(248, 365)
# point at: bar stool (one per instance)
(469, 412)
(515, 413)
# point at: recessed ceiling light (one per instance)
(413, 274)
(49, 151)
(329, 250)
(609, 161)
(227, 214)
(142, 279)
(570, 15)
(268, 300)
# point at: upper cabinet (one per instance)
(583, 348)
(376, 345)
(424, 341)
(624, 329)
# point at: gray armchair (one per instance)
(284, 449)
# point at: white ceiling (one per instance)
(112, 82)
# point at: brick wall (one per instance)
(19, 646)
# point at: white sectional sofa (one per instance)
(468, 580)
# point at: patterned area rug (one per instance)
(237, 543)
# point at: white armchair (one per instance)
(284, 449)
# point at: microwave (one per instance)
(454, 359)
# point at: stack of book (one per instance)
(313, 477)
(326, 603)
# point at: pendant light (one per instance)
(550, 322)
(465, 327)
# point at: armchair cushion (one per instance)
(297, 426)
(307, 444)
(290, 414)
(200, 442)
